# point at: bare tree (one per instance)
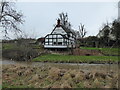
(9, 17)
(26, 35)
(64, 20)
(82, 31)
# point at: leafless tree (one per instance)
(10, 19)
(82, 31)
(26, 35)
(64, 19)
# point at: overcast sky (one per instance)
(41, 16)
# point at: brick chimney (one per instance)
(58, 23)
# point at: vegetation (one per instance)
(75, 59)
(6, 85)
(82, 31)
(6, 46)
(108, 36)
(105, 51)
(64, 19)
(22, 76)
(10, 18)
(22, 50)
(10, 50)
(116, 29)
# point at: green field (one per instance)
(75, 59)
(107, 51)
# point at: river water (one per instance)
(83, 66)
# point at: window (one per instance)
(54, 43)
(54, 40)
(46, 40)
(59, 43)
(50, 36)
(50, 43)
(50, 40)
(46, 43)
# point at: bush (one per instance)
(21, 52)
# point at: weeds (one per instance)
(46, 77)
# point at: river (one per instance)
(83, 66)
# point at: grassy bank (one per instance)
(106, 51)
(75, 59)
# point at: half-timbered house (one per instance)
(60, 37)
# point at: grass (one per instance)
(6, 85)
(6, 46)
(80, 85)
(54, 77)
(90, 48)
(72, 58)
(106, 51)
(112, 51)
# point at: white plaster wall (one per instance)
(59, 30)
(60, 40)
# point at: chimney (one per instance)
(58, 22)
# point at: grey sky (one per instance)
(40, 17)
